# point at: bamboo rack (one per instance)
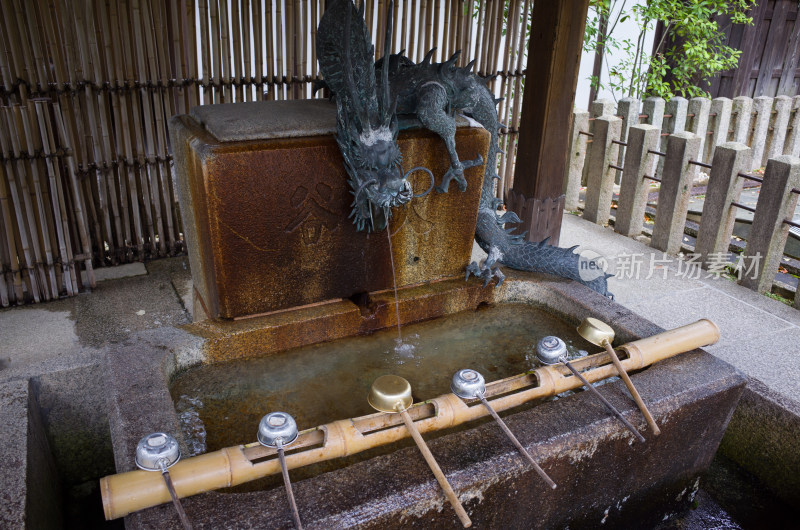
(125, 493)
(88, 87)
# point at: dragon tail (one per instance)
(519, 254)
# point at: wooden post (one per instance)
(719, 213)
(552, 74)
(764, 249)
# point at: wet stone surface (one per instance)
(601, 471)
(221, 404)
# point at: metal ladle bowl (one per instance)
(596, 331)
(390, 393)
(550, 350)
(157, 451)
(277, 427)
(468, 384)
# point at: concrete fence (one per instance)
(668, 142)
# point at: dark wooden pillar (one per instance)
(554, 54)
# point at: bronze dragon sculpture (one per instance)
(370, 97)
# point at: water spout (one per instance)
(405, 349)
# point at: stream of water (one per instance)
(404, 348)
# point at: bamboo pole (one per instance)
(418, 40)
(15, 290)
(125, 493)
(314, 23)
(39, 196)
(6, 280)
(170, 23)
(205, 48)
(40, 66)
(56, 198)
(189, 49)
(260, 38)
(289, 49)
(269, 35)
(479, 35)
(23, 177)
(162, 104)
(236, 37)
(6, 61)
(107, 173)
(434, 30)
(304, 8)
(225, 53)
(97, 198)
(21, 42)
(521, 46)
(110, 30)
(59, 205)
(77, 203)
(247, 38)
(280, 53)
(20, 201)
(143, 146)
(214, 35)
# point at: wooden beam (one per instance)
(554, 52)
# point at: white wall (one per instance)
(623, 30)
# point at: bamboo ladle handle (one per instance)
(632, 389)
(437, 471)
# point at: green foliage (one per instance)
(691, 50)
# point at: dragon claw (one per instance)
(456, 172)
(486, 271)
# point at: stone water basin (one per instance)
(221, 404)
(601, 472)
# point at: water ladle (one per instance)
(552, 350)
(392, 393)
(159, 451)
(601, 334)
(278, 430)
(469, 384)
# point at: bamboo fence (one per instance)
(88, 86)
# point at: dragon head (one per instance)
(373, 162)
(366, 120)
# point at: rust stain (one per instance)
(271, 221)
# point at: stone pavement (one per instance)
(760, 337)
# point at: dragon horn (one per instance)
(348, 71)
(361, 8)
(385, 70)
(469, 66)
(453, 58)
(427, 58)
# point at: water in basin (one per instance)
(220, 405)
